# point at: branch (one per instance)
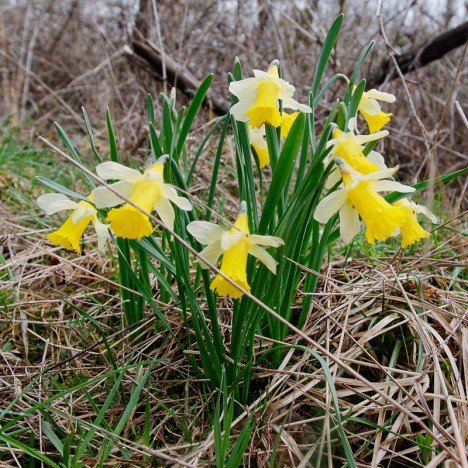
(177, 75)
(420, 55)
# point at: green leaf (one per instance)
(282, 172)
(90, 135)
(193, 111)
(327, 48)
(112, 142)
(60, 188)
(28, 450)
(420, 186)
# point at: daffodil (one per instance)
(69, 235)
(234, 245)
(259, 98)
(360, 196)
(258, 138)
(370, 109)
(258, 141)
(411, 231)
(348, 146)
(147, 190)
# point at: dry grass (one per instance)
(401, 323)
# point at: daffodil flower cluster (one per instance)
(146, 190)
(363, 179)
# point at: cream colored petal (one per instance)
(264, 257)
(377, 159)
(370, 106)
(52, 203)
(165, 211)
(290, 103)
(330, 205)
(102, 231)
(211, 254)
(267, 241)
(105, 198)
(257, 137)
(261, 75)
(380, 95)
(169, 192)
(352, 125)
(391, 186)
(424, 210)
(83, 211)
(349, 223)
(113, 170)
(229, 239)
(333, 178)
(205, 232)
(379, 174)
(361, 139)
(239, 109)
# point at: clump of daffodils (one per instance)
(147, 190)
(69, 235)
(234, 245)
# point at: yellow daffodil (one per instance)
(371, 110)
(287, 121)
(259, 98)
(360, 196)
(258, 139)
(348, 146)
(411, 231)
(234, 245)
(147, 190)
(69, 235)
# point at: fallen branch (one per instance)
(176, 74)
(420, 56)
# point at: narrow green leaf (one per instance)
(327, 48)
(283, 170)
(192, 112)
(60, 188)
(90, 135)
(112, 142)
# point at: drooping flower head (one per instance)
(258, 141)
(69, 235)
(257, 137)
(234, 245)
(348, 146)
(147, 190)
(412, 231)
(360, 197)
(259, 98)
(370, 109)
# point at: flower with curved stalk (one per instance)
(411, 231)
(370, 109)
(69, 235)
(147, 190)
(348, 146)
(259, 98)
(258, 139)
(234, 245)
(360, 197)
